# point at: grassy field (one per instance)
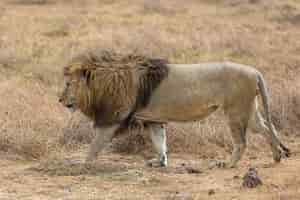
(37, 135)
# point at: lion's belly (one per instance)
(176, 113)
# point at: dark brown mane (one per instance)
(155, 71)
(114, 85)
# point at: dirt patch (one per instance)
(114, 176)
(67, 167)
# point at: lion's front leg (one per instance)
(103, 136)
(159, 140)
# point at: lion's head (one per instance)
(108, 87)
(102, 89)
(71, 85)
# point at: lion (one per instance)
(115, 90)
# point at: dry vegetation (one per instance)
(39, 36)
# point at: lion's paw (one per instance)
(285, 153)
(156, 163)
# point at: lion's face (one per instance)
(68, 95)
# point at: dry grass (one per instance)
(27, 118)
(37, 37)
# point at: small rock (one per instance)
(236, 177)
(251, 179)
(253, 157)
(192, 170)
(211, 192)
(82, 178)
(184, 168)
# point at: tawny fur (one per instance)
(114, 88)
(194, 91)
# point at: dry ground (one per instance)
(116, 176)
(42, 144)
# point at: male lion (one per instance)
(115, 89)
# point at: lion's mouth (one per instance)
(69, 105)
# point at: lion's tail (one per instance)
(265, 99)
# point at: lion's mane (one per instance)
(112, 86)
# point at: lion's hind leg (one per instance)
(238, 123)
(238, 117)
(158, 137)
(238, 129)
(258, 124)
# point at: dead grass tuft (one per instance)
(133, 141)
(78, 131)
(30, 120)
